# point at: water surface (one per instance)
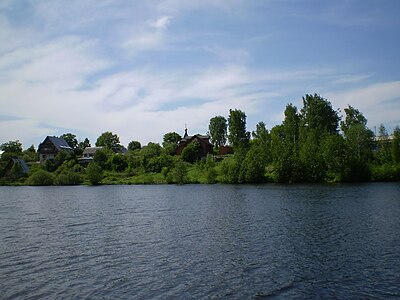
(200, 241)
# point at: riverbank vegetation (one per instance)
(313, 144)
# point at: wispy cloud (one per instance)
(372, 100)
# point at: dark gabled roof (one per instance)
(91, 150)
(59, 143)
(25, 168)
(205, 138)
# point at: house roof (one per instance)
(188, 138)
(59, 143)
(91, 150)
(25, 168)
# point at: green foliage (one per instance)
(192, 152)
(252, 169)
(384, 148)
(396, 145)
(353, 117)
(230, 169)
(84, 144)
(41, 177)
(101, 157)
(117, 162)
(70, 139)
(94, 173)
(218, 130)
(238, 136)
(317, 113)
(385, 172)
(30, 154)
(170, 142)
(179, 173)
(68, 178)
(156, 164)
(12, 147)
(134, 145)
(109, 140)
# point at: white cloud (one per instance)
(380, 103)
(161, 22)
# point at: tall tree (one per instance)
(358, 142)
(396, 145)
(170, 142)
(12, 147)
(218, 130)
(134, 145)
(384, 151)
(317, 113)
(70, 139)
(238, 136)
(109, 140)
(353, 117)
(84, 144)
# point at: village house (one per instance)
(88, 154)
(51, 146)
(203, 140)
(16, 167)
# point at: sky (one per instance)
(141, 69)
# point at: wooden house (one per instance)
(88, 155)
(51, 146)
(203, 140)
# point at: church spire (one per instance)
(186, 134)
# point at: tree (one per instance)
(70, 139)
(170, 142)
(109, 140)
(192, 152)
(218, 130)
(396, 145)
(353, 117)
(317, 113)
(134, 145)
(84, 144)
(94, 173)
(384, 151)
(179, 172)
(12, 147)
(238, 136)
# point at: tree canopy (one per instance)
(109, 140)
(218, 130)
(238, 136)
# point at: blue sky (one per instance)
(144, 68)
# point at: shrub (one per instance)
(41, 177)
(69, 178)
(94, 173)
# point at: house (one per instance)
(203, 140)
(88, 155)
(16, 167)
(225, 150)
(51, 146)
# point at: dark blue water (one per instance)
(200, 241)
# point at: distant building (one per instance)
(51, 146)
(21, 165)
(88, 155)
(203, 140)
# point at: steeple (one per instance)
(186, 134)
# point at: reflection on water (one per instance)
(197, 241)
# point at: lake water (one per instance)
(200, 241)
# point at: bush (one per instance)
(41, 177)
(69, 178)
(94, 173)
(179, 173)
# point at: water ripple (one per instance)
(191, 242)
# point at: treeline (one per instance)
(313, 144)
